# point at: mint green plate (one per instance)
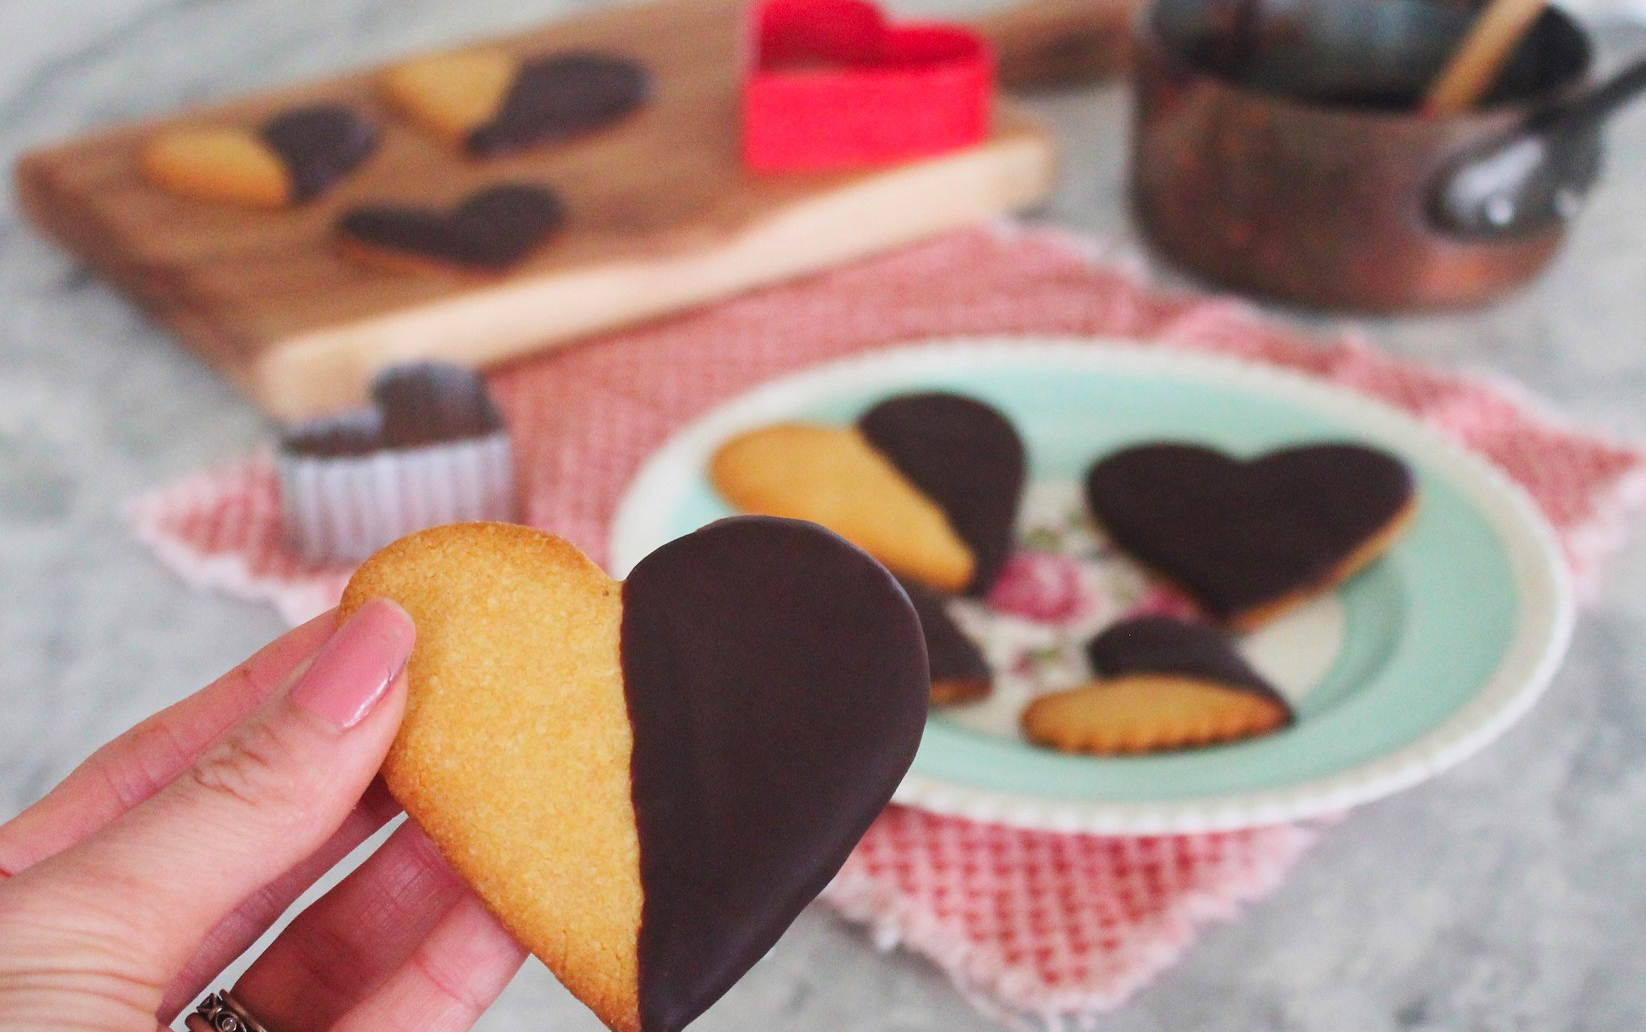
(1444, 641)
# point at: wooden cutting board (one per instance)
(662, 216)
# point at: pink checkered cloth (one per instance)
(1038, 929)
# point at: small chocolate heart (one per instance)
(1159, 683)
(489, 231)
(1250, 538)
(648, 781)
(966, 457)
(413, 405)
(294, 157)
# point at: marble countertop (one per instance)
(1509, 893)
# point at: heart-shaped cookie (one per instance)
(1160, 683)
(432, 449)
(959, 672)
(927, 483)
(489, 102)
(647, 781)
(295, 156)
(490, 231)
(834, 86)
(1250, 538)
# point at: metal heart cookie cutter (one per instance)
(431, 450)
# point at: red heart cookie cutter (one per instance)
(833, 86)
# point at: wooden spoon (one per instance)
(1475, 66)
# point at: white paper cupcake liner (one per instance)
(344, 508)
(432, 449)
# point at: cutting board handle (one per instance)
(1059, 44)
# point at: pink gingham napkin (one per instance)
(1038, 929)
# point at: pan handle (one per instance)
(1539, 174)
(1060, 44)
(1588, 109)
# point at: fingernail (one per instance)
(353, 670)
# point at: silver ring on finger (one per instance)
(221, 1012)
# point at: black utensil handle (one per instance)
(1589, 109)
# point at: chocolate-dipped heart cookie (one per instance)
(1248, 539)
(647, 781)
(1160, 683)
(295, 156)
(489, 102)
(928, 483)
(490, 231)
(959, 672)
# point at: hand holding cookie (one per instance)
(171, 850)
(648, 780)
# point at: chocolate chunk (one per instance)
(964, 456)
(554, 98)
(319, 145)
(1241, 535)
(777, 691)
(491, 230)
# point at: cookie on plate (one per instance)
(1249, 539)
(488, 102)
(648, 780)
(1160, 683)
(927, 483)
(295, 156)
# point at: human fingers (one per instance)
(139, 763)
(459, 970)
(132, 903)
(235, 934)
(344, 945)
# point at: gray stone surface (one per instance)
(1508, 894)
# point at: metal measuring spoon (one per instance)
(1540, 174)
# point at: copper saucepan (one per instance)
(1278, 149)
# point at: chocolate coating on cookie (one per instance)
(490, 231)
(776, 686)
(1180, 648)
(964, 456)
(959, 671)
(319, 145)
(1244, 535)
(561, 96)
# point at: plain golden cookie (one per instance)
(219, 165)
(451, 95)
(1142, 714)
(514, 754)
